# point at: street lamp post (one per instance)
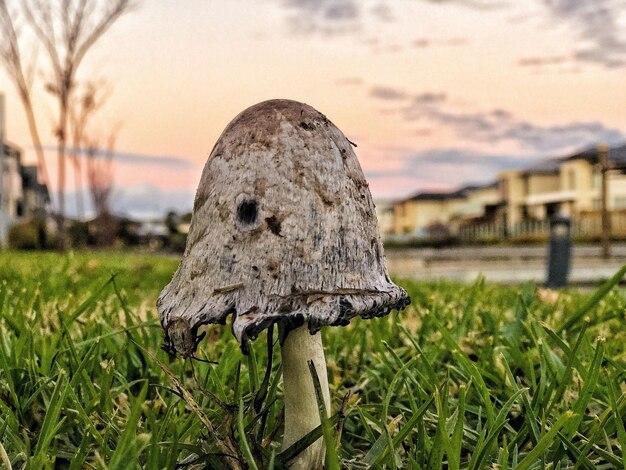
(559, 252)
(605, 236)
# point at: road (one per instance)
(502, 264)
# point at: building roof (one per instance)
(477, 187)
(551, 166)
(434, 196)
(445, 196)
(544, 167)
(617, 155)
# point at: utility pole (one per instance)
(605, 236)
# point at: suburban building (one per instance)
(569, 186)
(521, 202)
(427, 212)
(22, 196)
(11, 193)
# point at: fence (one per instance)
(493, 231)
(587, 226)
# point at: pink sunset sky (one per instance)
(435, 93)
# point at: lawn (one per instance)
(478, 376)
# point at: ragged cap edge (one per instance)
(325, 310)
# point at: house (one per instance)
(11, 194)
(35, 195)
(426, 212)
(521, 202)
(569, 186)
(22, 196)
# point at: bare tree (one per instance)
(67, 29)
(100, 179)
(84, 107)
(22, 77)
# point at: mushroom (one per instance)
(283, 232)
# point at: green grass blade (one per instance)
(272, 462)
(471, 369)
(305, 441)
(456, 442)
(51, 422)
(379, 449)
(90, 301)
(591, 381)
(253, 372)
(483, 448)
(243, 441)
(566, 377)
(545, 442)
(619, 423)
(575, 454)
(127, 447)
(440, 442)
(594, 299)
(261, 394)
(332, 459)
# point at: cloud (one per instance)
(347, 16)
(499, 125)
(422, 43)
(461, 157)
(541, 61)
(141, 201)
(465, 164)
(495, 125)
(157, 160)
(387, 93)
(426, 169)
(138, 159)
(429, 98)
(559, 137)
(323, 16)
(599, 25)
(343, 10)
(147, 201)
(383, 12)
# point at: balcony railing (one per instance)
(587, 226)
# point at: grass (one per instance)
(469, 377)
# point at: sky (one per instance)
(435, 93)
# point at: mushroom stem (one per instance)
(301, 410)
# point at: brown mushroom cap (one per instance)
(283, 230)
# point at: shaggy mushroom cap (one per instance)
(283, 230)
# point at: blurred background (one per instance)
(476, 121)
